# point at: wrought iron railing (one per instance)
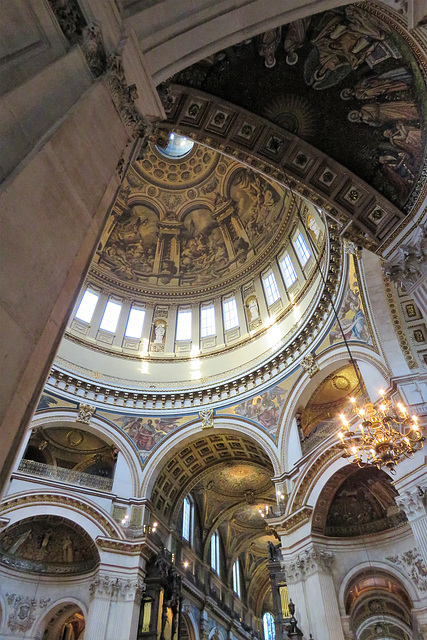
(68, 476)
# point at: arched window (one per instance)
(215, 552)
(268, 626)
(236, 578)
(187, 519)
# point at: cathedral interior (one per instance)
(213, 320)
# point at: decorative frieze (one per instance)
(119, 588)
(308, 562)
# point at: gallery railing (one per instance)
(69, 476)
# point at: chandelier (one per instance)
(386, 434)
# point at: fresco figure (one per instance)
(294, 39)
(394, 81)
(354, 328)
(405, 137)
(377, 114)
(344, 42)
(394, 166)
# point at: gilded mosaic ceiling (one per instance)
(190, 224)
(343, 80)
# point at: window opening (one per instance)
(87, 306)
(135, 323)
(183, 325)
(231, 318)
(268, 626)
(215, 552)
(271, 289)
(288, 270)
(111, 316)
(236, 578)
(207, 322)
(187, 519)
(302, 249)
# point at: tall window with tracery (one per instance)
(268, 626)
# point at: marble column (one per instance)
(413, 502)
(311, 587)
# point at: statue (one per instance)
(160, 333)
(253, 308)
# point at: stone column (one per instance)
(413, 503)
(114, 607)
(312, 588)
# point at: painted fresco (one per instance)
(144, 431)
(351, 314)
(343, 81)
(226, 221)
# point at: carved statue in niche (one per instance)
(253, 309)
(159, 333)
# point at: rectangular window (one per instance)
(236, 578)
(231, 319)
(207, 322)
(271, 289)
(288, 270)
(183, 325)
(215, 552)
(111, 316)
(302, 250)
(186, 519)
(87, 306)
(135, 323)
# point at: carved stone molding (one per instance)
(295, 519)
(413, 565)
(23, 614)
(308, 562)
(409, 267)
(411, 502)
(85, 413)
(309, 364)
(207, 418)
(118, 588)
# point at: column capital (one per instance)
(109, 586)
(412, 502)
(309, 561)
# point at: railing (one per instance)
(68, 476)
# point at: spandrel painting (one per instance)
(343, 80)
(184, 238)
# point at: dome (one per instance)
(208, 266)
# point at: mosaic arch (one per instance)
(343, 80)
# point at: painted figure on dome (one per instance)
(371, 87)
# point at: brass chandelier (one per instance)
(386, 435)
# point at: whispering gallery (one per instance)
(213, 320)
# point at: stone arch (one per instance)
(374, 597)
(191, 628)
(50, 624)
(192, 431)
(104, 429)
(328, 361)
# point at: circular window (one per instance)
(178, 147)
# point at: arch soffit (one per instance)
(282, 165)
(328, 361)
(55, 608)
(378, 565)
(100, 427)
(388, 619)
(189, 432)
(192, 622)
(94, 520)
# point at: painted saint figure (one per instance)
(393, 81)
(376, 114)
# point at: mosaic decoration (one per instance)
(351, 314)
(48, 401)
(49, 545)
(265, 408)
(346, 69)
(145, 432)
